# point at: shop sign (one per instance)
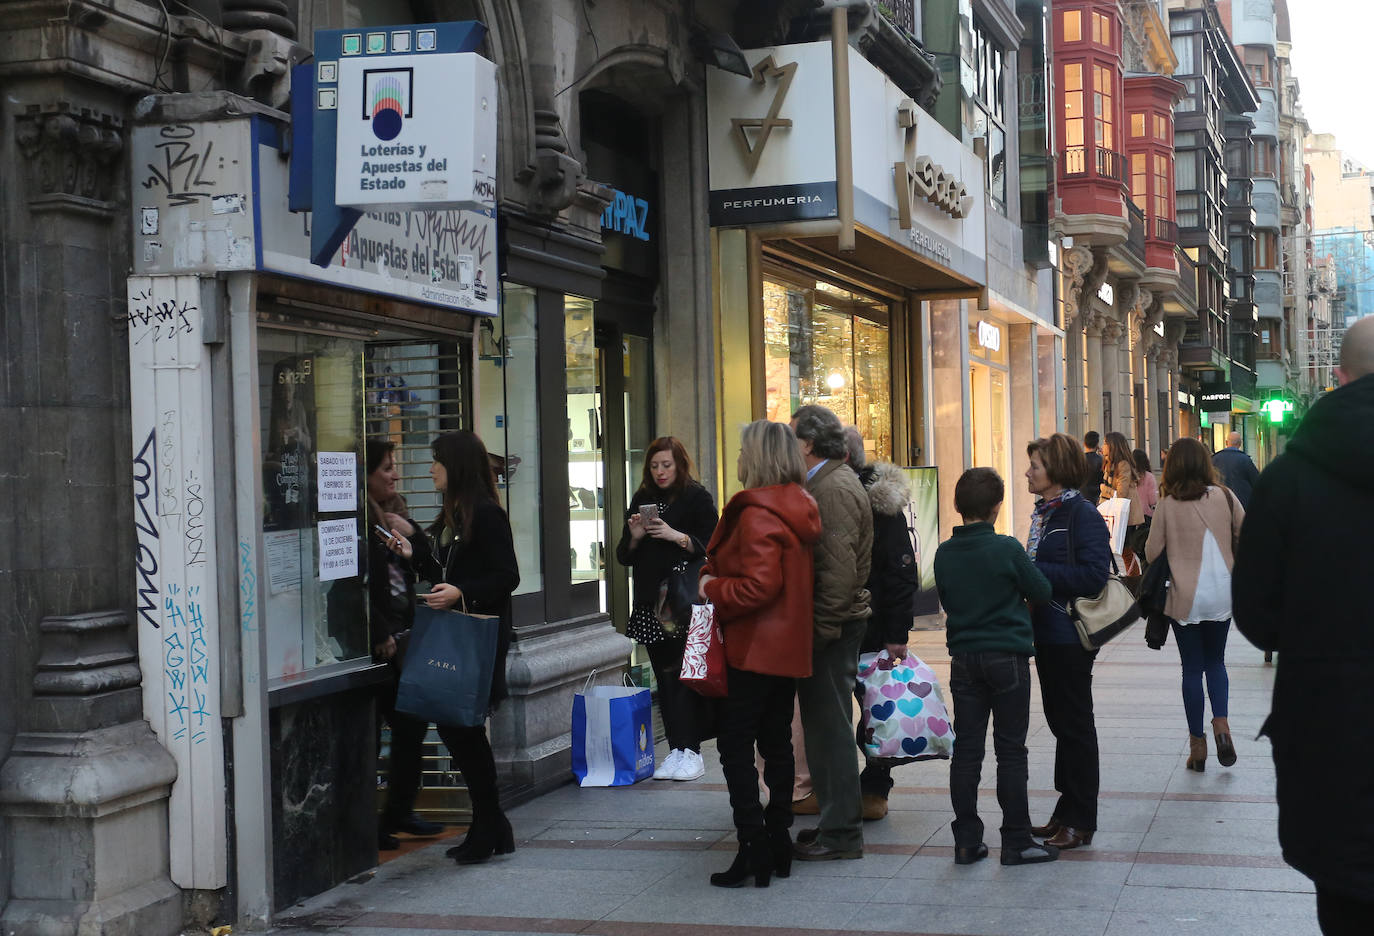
(210, 197)
(989, 336)
(919, 178)
(416, 129)
(628, 215)
(771, 140)
(1215, 398)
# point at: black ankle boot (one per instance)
(780, 843)
(489, 835)
(754, 858)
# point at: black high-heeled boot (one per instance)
(780, 843)
(489, 835)
(754, 858)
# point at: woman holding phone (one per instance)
(669, 522)
(468, 557)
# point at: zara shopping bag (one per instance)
(446, 676)
(612, 735)
(703, 659)
(903, 716)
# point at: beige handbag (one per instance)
(1107, 614)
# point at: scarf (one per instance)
(1040, 517)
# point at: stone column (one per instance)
(1111, 374)
(1025, 396)
(949, 401)
(84, 792)
(1093, 339)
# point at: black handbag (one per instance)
(678, 592)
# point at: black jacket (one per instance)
(484, 567)
(1091, 488)
(1305, 558)
(390, 614)
(1238, 473)
(692, 512)
(1079, 576)
(893, 577)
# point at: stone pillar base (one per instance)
(531, 733)
(84, 795)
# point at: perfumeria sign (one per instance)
(416, 129)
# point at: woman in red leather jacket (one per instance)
(758, 575)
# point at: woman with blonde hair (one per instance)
(758, 575)
(1198, 522)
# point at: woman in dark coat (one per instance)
(468, 556)
(892, 585)
(1069, 545)
(391, 595)
(758, 576)
(671, 533)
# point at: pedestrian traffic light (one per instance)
(1277, 410)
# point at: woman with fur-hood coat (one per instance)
(892, 583)
(893, 578)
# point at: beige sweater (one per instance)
(1178, 527)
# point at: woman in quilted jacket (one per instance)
(758, 575)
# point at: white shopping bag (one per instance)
(1117, 512)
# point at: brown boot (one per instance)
(875, 806)
(1226, 751)
(1197, 752)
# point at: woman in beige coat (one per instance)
(1198, 522)
(1120, 479)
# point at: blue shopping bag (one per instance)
(446, 676)
(612, 736)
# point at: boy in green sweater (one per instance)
(984, 581)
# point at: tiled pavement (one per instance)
(1176, 852)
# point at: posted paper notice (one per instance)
(338, 549)
(283, 559)
(337, 477)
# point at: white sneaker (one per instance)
(690, 766)
(667, 769)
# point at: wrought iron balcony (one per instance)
(1135, 240)
(900, 13)
(1106, 164)
(1164, 229)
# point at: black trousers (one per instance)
(404, 760)
(471, 754)
(1066, 689)
(993, 684)
(1339, 915)
(686, 713)
(757, 712)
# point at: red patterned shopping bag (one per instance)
(703, 660)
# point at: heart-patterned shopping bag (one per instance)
(904, 717)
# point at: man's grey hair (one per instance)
(854, 445)
(820, 427)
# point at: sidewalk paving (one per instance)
(1176, 852)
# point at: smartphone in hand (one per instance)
(648, 512)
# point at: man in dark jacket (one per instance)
(1237, 471)
(826, 697)
(1298, 588)
(892, 585)
(1091, 488)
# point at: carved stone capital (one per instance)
(1079, 264)
(1112, 330)
(71, 158)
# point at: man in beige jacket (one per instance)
(842, 556)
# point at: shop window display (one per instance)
(829, 345)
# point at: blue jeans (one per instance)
(998, 684)
(1202, 648)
